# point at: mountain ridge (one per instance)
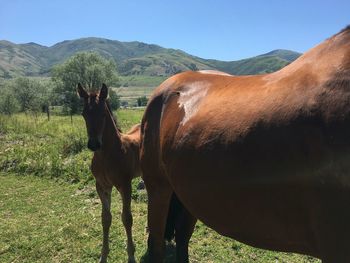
(132, 58)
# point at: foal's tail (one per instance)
(176, 211)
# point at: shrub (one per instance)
(142, 101)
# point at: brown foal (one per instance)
(115, 161)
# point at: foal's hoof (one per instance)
(131, 260)
(102, 260)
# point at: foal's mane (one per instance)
(112, 115)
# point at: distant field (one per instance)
(133, 87)
(130, 94)
(140, 80)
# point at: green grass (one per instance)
(55, 148)
(46, 221)
(49, 210)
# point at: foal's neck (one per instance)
(111, 137)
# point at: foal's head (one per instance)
(94, 113)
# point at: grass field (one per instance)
(130, 94)
(49, 211)
(141, 80)
(136, 86)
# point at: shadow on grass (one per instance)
(170, 254)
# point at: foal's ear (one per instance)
(103, 92)
(82, 92)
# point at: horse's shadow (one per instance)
(170, 254)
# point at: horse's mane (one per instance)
(347, 28)
(344, 30)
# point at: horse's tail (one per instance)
(176, 210)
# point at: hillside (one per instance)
(132, 58)
(16, 60)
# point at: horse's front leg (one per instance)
(106, 216)
(125, 192)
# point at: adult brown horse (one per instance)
(115, 161)
(262, 159)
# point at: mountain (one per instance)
(283, 54)
(16, 60)
(132, 58)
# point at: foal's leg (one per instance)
(127, 219)
(106, 216)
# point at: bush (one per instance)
(8, 104)
(54, 149)
(142, 101)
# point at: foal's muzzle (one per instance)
(94, 144)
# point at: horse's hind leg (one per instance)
(106, 216)
(159, 194)
(184, 227)
(127, 219)
(339, 256)
(337, 250)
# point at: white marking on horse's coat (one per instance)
(191, 97)
(213, 72)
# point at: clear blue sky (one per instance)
(218, 29)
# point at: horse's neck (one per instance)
(111, 137)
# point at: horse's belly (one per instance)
(273, 212)
(278, 187)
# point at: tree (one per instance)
(46, 96)
(87, 68)
(114, 100)
(25, 94)
(31, 94)
(24, 90)
(142, 101)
